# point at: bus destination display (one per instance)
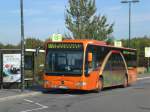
(64, 46)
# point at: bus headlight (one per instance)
(46, 82)
(81, 84)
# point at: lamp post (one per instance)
(130, 2)
(22, 45)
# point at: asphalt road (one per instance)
(132, 99)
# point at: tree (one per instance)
(1, 45)
(32, 43)
(82, 22)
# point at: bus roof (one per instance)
(84, 41)
(92, 42)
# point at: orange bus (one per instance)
(88, 65)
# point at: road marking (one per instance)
(28, 100)
(23, 95)
(41, 105)
(35, 109)
(143, 78)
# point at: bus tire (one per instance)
(99, 85)
(125, 83)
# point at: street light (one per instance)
(22, 45)
(130, 2)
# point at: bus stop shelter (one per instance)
(10, 67)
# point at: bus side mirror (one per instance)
(90, 57)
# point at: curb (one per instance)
(142, 78)
(22, 95)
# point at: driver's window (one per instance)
(92, 65)
(61, 59)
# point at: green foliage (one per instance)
(1, 45)
(32, 43)
(8, 46)
(82, 22)
(110, 40)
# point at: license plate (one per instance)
(63, 87)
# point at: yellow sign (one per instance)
(56, 37)
(118, 44)
(65, 46)
(147, 51)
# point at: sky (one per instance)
(42, 18)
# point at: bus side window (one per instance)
(131, 59)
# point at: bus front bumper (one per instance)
(74, 86)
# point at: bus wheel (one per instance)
(125, 84)
(99, 85)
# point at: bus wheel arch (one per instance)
(100, 84)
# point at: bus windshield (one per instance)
(64, 62)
